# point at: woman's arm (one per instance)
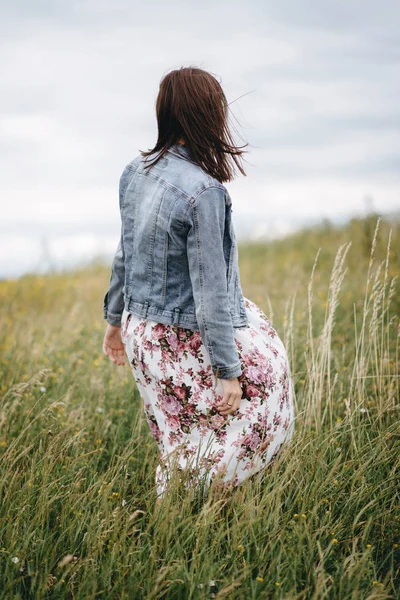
(113, 304)
(207, 269)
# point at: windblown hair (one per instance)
(192, 105)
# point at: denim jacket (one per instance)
(177, 258)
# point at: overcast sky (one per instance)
(314, 88)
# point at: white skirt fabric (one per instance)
(172, 370)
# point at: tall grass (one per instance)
(77, 488)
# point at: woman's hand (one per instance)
(113, 346)
(232, 395)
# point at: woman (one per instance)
(211, 369)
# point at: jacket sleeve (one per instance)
(113, 304)
(208, 275)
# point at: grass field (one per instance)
(77, 462)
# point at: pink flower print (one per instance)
(249, 411)
(124, 329)
(167, 356)
(173, 341)
(251, 440)
(207, 381)
(181, 333)
(195, 342)
(190, 451)
(272, 348)
(180, 392)
(198, 380)
(277, 420)
(270, 378)
(262, 420)
(263, 362)
(173, 422)
(266, 442)
(155, 430)
(175, 367)
(147, 345)
(255, 374)
(174, 437)
(175, 344)
(218, 398)
(202, 420)
(170, 405)
(254, 441)
(217, 421)
(248, 359)
(196, 396)
(252, 391)
(267, 326)
(190, 409)
(158, 331)
(286, 423)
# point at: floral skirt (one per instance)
(172, 370)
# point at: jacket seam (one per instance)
(166, 184)
(201, 278)
(165, 268)
(135, 209)
(115, 315)
(193, 198)
(185, 319)
(151, 250)
(190, 198)
(123, 191)
(204, 187)
(122, 200)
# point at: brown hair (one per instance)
(192, 105)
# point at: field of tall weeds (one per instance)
(77, 462)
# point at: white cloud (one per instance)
(317, 197)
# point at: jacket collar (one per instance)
(179, 149)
